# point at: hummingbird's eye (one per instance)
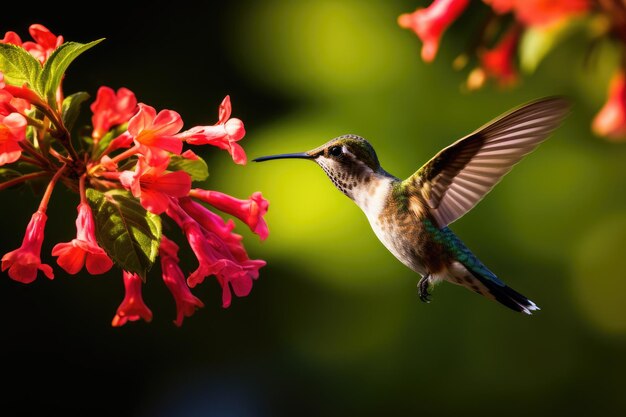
(335, 151)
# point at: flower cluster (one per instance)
(521, 32)
(131, 173)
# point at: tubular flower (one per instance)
(12, 132)
(611, 119)
(84, 250)
(210, 261)
(214, 224)
(430, 23)
(540, 12)
(250, 211)
(154, 186)
(24, 262)
(111, 109)
(155, 133)
(499, 62)
(224, 134)
(45, 42)
(132, 308)
(186, 302)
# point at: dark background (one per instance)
(334, 325)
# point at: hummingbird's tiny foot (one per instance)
(422, 289)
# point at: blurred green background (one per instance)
(334, 326)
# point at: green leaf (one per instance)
(57, 64)
(18, 66)
(537, 42)
(128, 233)
(198, 169)
(71, 108)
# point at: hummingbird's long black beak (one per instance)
(301, 155)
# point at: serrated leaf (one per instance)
(196, 168)
(56, 65)
(71, 108)
(18, 66)
(537, 42)
(128, 233)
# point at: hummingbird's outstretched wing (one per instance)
(459, 176)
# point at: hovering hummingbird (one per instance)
(411, 216)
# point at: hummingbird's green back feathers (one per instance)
(459, 176)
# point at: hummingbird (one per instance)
(411, 217)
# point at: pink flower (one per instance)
(214, 224)
(240, 271)
(154, 186)
(250, 211)
(155, 133)
(430, 23)
(83, 250)
(132, 308)
(210, 260)
(111, 109)
(186, 302)
(540, 12)
(12, 132)
(24, 262)
(45, 42)
(611, 119)
(224, 134)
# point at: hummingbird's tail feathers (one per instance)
(507, 296)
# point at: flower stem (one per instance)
(81, 186)
(43, 205)
(23, 178)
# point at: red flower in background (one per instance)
(611, 120)
(430, 23)
(84, 250)
(45, 42)
(224, 134)
(24, 262)
(540, 12)
(111, 109)
(132, 308)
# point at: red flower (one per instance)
(83, 250)
(12, 38)
(45, 42)
(154, 186)
(24, 262)
(430, 23)
(540, 12)
(186, 302)
(499, 62)
(611, 119)
(12, 132)
(250, 211)
(132, 308)
(155, 133)
(111, 109)
(224, 134)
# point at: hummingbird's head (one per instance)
(348, 160)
